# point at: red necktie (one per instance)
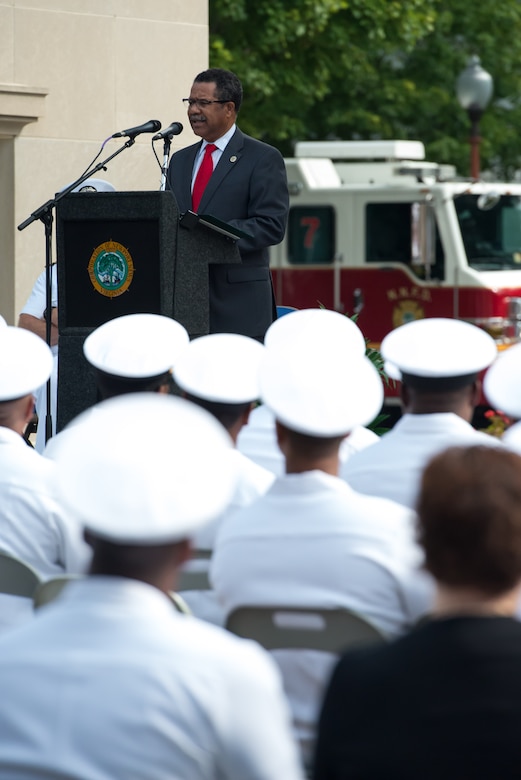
(203, 176)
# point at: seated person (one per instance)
(445, 700)
(110, 681)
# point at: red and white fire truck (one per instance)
(375, 229)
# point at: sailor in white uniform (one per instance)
(311, 540)
(33, 524)
(109, 681)
(257, 439)
(220, 372)
(502, 383)
(438, 362)
(130, 354)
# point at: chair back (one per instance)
(309, 628)
(193, 580)
(47, 591)
(196, 577)
(283, 310)
(17, 578)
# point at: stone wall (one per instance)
(72, 72)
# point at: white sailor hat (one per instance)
(438, 348)
(157, 479)
(512, 438)
(26, 362)
(319, 391)
(221, 367)
(92, 185)
(392, 371)
(136, 345)
(502, 382)
(310, 326)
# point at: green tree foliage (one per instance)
(350, 69)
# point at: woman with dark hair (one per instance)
(445, 700)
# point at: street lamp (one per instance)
(474, 90)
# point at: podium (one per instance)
(126, 253)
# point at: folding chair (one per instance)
(17, 578)
(47, 591)
(197, 578)
(306, 628)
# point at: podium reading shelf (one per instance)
(125, 253)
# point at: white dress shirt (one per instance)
(312, 541)
(392, 467)
(110, 682)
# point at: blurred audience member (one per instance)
(445, 700)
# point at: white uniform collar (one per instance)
(432, 422)
(8, 436)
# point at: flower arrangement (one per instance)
(497, 423)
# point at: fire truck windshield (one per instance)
(492, 236)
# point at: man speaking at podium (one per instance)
(241, 181)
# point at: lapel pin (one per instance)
(233, 158)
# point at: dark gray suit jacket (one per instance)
(248, 189)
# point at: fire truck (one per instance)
(375, 229)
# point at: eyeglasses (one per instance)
(202, 103)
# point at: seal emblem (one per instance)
(407, 311)
(111, 269)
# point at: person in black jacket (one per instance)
(445, 700)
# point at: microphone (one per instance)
(149, 127)
(174, 129)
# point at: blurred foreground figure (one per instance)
(109, 681)
(444, 701)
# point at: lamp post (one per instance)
(474, 90)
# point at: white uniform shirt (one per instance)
(110, 682)
(312, 541)
(36, 305)
(392, 467)
(252, 482)
(258, 441)
(33, 525)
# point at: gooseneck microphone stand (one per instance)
(45, 214)
(164, 168)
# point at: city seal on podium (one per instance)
(111, 269)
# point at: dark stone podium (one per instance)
(126, 253)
